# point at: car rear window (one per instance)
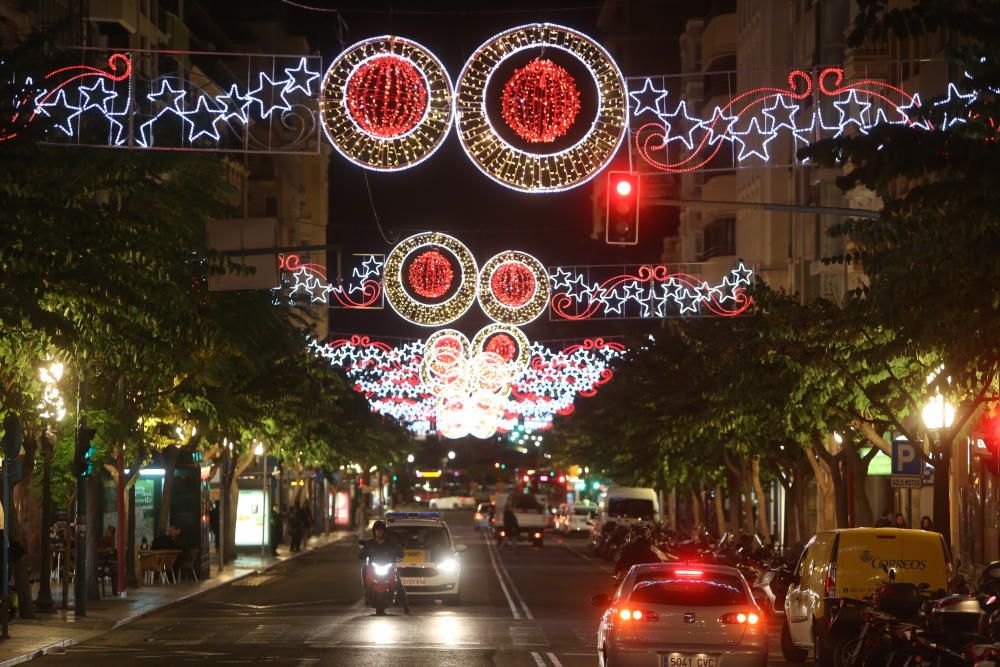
(633, 508)
(710, 591)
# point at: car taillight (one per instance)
(638, 615)
(831, 580)
(740, 618)
(537, 535)
(479, 516)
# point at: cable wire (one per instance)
(439, 12)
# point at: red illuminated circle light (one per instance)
(513, 284)
(430, 274)
(386, 96)
(540, 102)
(503, 346)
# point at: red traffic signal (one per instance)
(989, 431)
(621, 220)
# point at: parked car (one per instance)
(852, 563)
(453, 503)
(572, 518)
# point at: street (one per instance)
(522, 607)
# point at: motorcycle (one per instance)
(770, 587)
(380, 585)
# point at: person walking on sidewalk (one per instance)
(275, 530)
(295, 527)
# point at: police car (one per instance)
(430, 566)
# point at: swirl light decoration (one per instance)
(413, 298)
(513, 288)
(386, 103)
(521, 169)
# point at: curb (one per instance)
(66, 643)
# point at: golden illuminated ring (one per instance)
(523, 356)
(430, 314)
(534, 172)
(523, 308)
(399, 151)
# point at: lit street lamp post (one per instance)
(52, 410)
(258, 451)
(938, 416)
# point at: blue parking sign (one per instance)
(906, 458)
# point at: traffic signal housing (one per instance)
(86, 453)
(621, 218)
(989, 428)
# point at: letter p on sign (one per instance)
(905, 458)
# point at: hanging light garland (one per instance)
(540, 101)
(386, 103)
(386, 96)
(540, 172)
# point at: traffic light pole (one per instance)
(80, 578)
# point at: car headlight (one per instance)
(381, 570)
(448, 565)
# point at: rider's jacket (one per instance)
(385, 551)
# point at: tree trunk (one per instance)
(747, 526)
(942, 497)
(20, 498)
(720, 510)
(763, 518)
(857, 468)
(131, 580)
(825, 495)
(733, 498)
(672, 509)
(695, 513)
(170, 455)
(45, 601)
(94, 514)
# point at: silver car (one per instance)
(681, 615)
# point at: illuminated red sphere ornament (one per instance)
(540, 101)
(430, 274)
(503, 346)
(513, 288)
(513, 284)
(386, 96)
(386, 103)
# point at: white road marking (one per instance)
(503, 586)
(538, 660)
(554, 659)
(527, 612)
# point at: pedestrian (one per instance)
(900, 521)
(926, 523)
(510, 526)
(213, 523)
(275, 530)
(306, 519)
(295, 528)
(884, 521)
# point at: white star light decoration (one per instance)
(648, 292)
(305, 282)
(389, 377)
(754, 119)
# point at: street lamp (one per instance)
(451, 456)
(410, 458)
(258, 451)
(938, 413)
(52, 409)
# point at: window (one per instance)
(719, 239)
(420, 537)
(664, 588)
(635, 508)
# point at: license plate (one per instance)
(414, 581)
(690, 660)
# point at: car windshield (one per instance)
(665, 588)
(431, 538)
(583, 511)
(635, 508)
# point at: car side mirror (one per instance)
(461, 548)
(601, 600)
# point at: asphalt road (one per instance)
(528, 607)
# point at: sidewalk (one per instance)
(47, 633)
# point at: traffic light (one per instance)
(621, 219)
(86, 453)
(990, 430)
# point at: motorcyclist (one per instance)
(638, 550)
(381, 548)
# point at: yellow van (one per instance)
(852, 563)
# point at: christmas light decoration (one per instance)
(424, 309)
(540, 172)
(430, 274)
(513, 288)
(386, 96)
(507, 341)
(390, 379)
(386, 103)
(647, 291)
(307, 280)
(540, 101)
